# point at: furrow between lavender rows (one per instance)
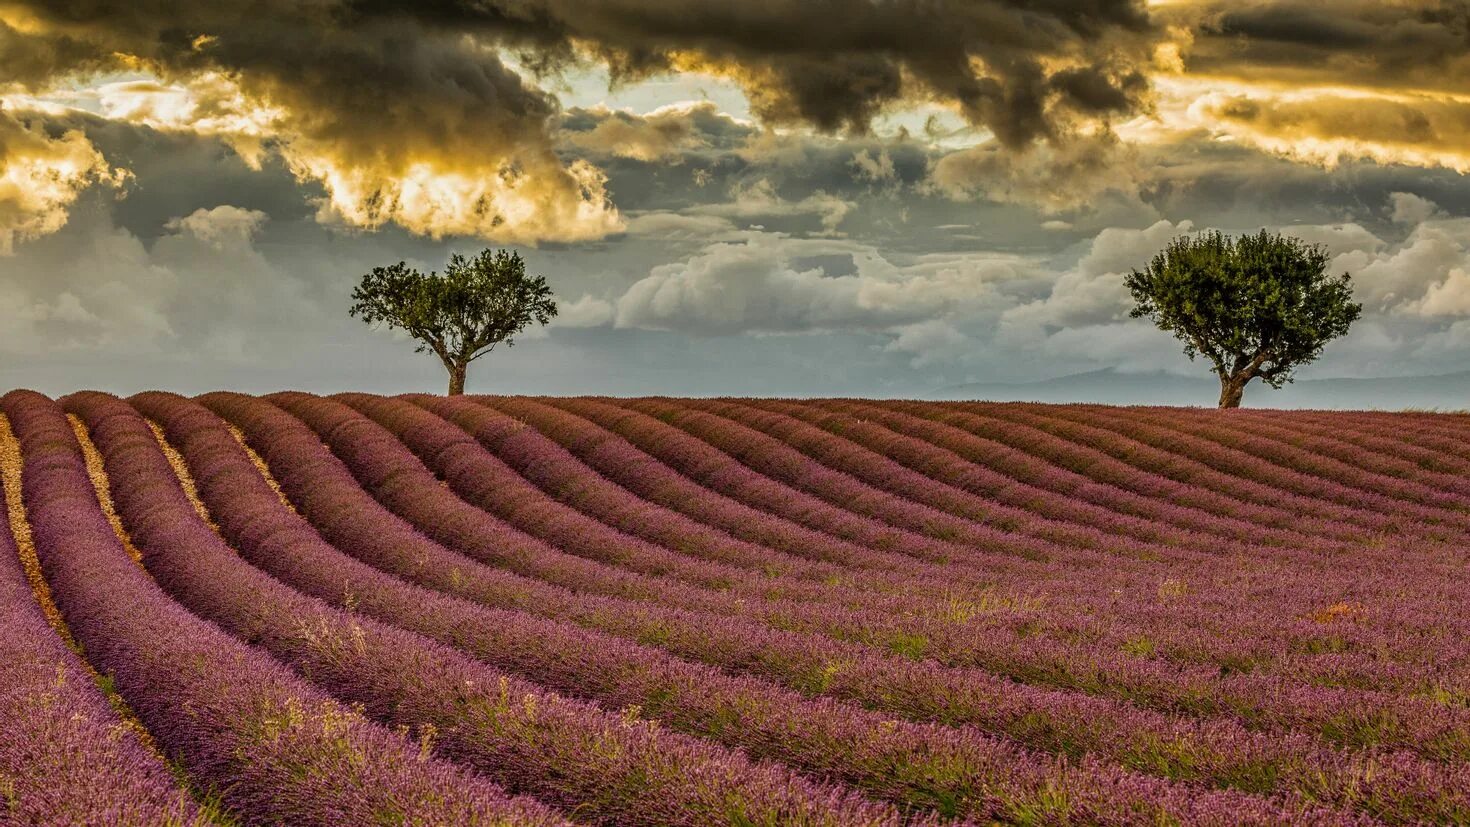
(1363, 446)
(1319, 470)
(1194, 619)
(1040, 430)
(67, 755)
(606, 767)
(1193, 629)
(825, 433)
(337, 506)
(1226, 455)
(951, 768)
(1356, 717)
(242, 726)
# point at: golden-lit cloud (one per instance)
(438, 117)
(399, 122)
(663, 133)
(41, 175)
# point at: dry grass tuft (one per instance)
(20, 527)
(261, 466)
(181, 470)
(1343, 611)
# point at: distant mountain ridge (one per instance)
(1450, 391)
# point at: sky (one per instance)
(790, 197)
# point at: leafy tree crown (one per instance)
(476, 304)
(1259, 305)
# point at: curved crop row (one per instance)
(950, 769)
(643, 477)
(1359, 447)
(605, 767)
(941, 568)
(326, 492)
(1108, 456)
(1314, 471)
(1352, 716)
(1237, 630)
(353, 423)
(66, 755)
(1177, 456)
(1174, 630)
(775, 459)
(242, 726)
(937, 451)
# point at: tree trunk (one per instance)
(456, 379)
(1232, 388)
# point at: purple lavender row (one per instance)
(638, 471)
(1275, 644)
(1212, 522)
(1396, 449)
(701, 463)
(486, 481)
(956, 769)
(1179, 456)
(642, 476)
(326, 492)
(889, 616)
(909, 568)
(567, 479)
(1356, 717)
(840, 489)
(608, 437)
(1271, 636)
(1319, 462)
(773, 458)
(243, 727)
(1429, 447)
(828, 436)
(1383, 467)
(1402, 463)
(698, 462)
(1097, 451)
(66, 756)
(606, 767)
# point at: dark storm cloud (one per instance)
(1009, 65)
(1424, 43)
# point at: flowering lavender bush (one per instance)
(360, 608)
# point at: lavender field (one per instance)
(360, 609)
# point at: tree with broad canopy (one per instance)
(461, 315)
(1257, 306)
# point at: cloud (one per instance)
(588, 311)
(1053, 177)
(930, 342)
(41, 176)
(1366, 43)
(1424, 275)
(760, 200)
(1411, 209)
(761, 286)
(1013, 67)
(1091, 293)
(400, 120)
(1330, 126)
(203, 288)
(221, 227)
(665, 133)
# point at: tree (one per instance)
(461, 315)
(1256, 306)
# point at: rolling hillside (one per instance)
(514, 610)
